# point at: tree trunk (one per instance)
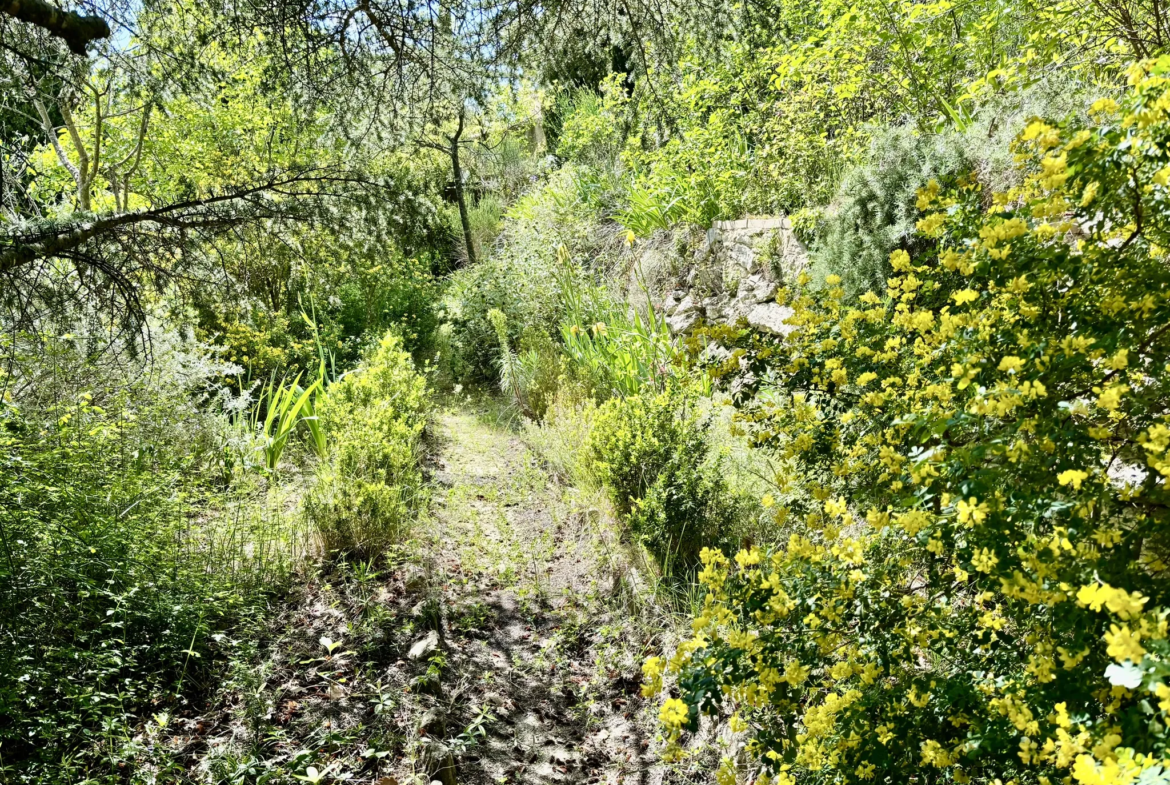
(460, 195)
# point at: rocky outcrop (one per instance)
(738, 269)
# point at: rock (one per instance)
(714, 353)
(756, 289)
(770, 318)
(433, 724)
(682, 322)
(742, 256)
(687, 305)
(686, 315)
(424, 647)
(415, 578)
(438, 762)
(716, 307)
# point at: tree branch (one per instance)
(73, 28)
(57, 239)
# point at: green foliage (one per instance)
(595, 124)
(122, 556)
(520, 279)
(612, 348)
(998, 415)
(371, 486)
(562, 436)
(874, 212)
(287, 405)
(650, 453)
(354, 285)
(647, 211)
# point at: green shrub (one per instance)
(530, 376)
(611, 348)
(976, 589)
(519, 278)
(649, 450)
(875, 209)
(122, 556)
(562, 436)
(371, 486)
(874, 212)
(595, 124)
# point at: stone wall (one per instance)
(737, 270)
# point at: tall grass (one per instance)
(616, 348)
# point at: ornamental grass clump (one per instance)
(974, 587)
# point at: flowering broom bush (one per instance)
(977, 588)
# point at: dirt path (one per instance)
(486, 650)
(534, 655)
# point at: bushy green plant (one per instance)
(562, 435)
(530, 376)
(875, 209)
(874, 212)
(371, 486)
(976, 589)
(595, 124)
(647, 211)
(519, 278)
(650, 453)
(486, 215)
(122, 555)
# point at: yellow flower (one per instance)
(965, 296)
(932, 224)
(748, 558)
(652, 676)
(971, 511)
(1073, 477)
(833, 280)
(1110, 398)
(674, 713)
(900, 261)
(1124, 644)
(927, 195)
(726, 775)
(1011, 364)
(933, 754)
(1103, 106)
(984, 560)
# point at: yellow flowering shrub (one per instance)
(974, 587)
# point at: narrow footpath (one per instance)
(548, 673)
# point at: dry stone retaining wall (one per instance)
(737, 271)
